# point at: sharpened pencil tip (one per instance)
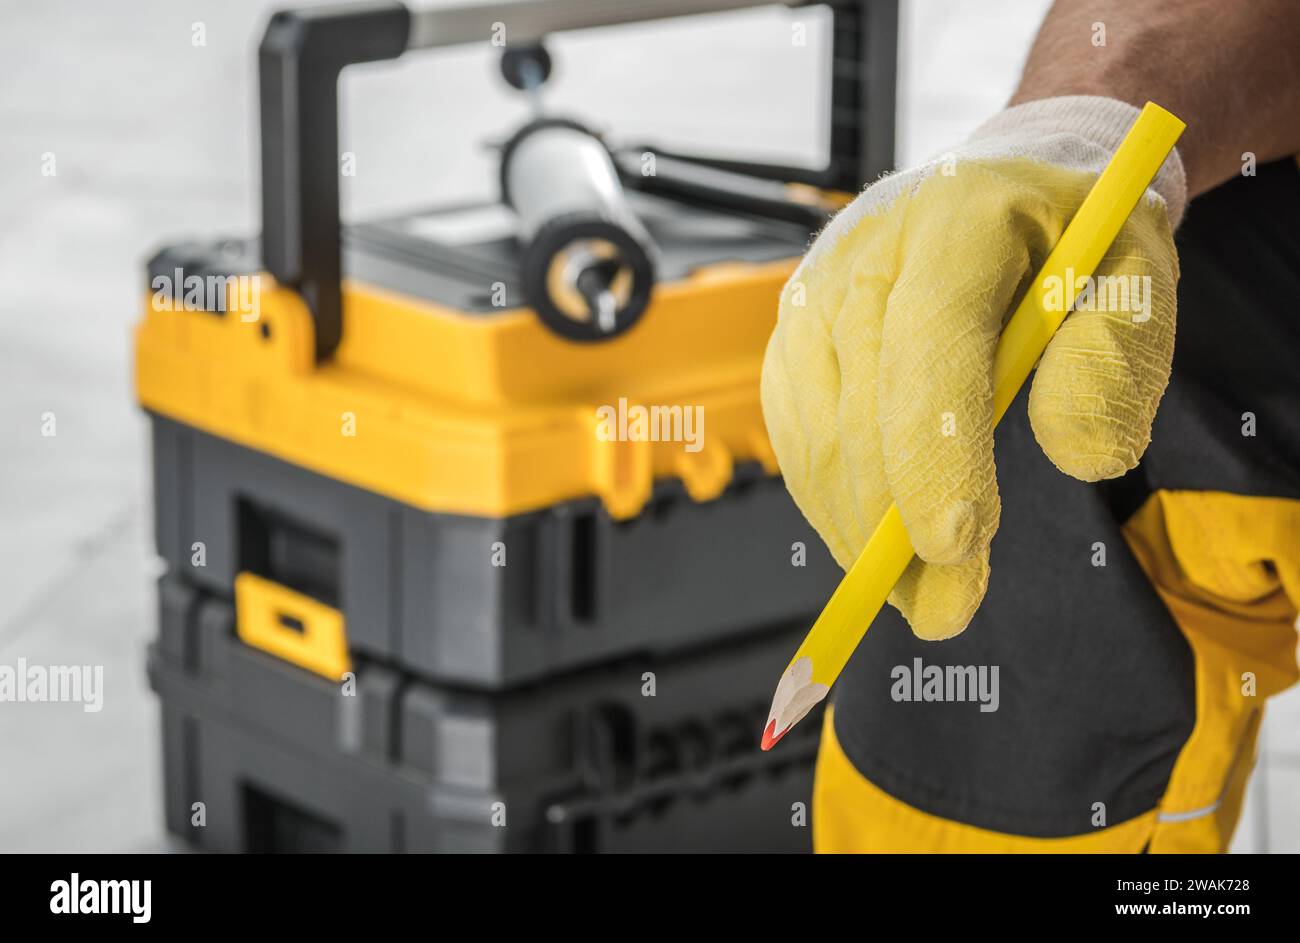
(770, 736)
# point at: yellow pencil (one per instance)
(858, 599)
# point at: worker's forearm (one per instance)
(1230, 70)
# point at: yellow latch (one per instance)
(291, 626)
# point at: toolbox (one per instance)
(379, 462)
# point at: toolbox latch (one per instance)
(289, 625)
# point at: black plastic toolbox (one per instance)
(285, 760)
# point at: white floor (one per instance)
(152, 138)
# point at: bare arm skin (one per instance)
(1229, 68)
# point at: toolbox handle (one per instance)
(304, 51)
(299, 62)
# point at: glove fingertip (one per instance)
(1089, 466)
(1090, 445)
(939, 602)
(945, 535)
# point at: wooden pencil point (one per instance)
(795, 696)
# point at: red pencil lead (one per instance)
(770, 736)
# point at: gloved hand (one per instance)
(877, 384)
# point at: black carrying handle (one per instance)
(304, 51)
(299, 62)
(864, 74)
(864, 68)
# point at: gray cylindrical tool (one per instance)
(587, 264)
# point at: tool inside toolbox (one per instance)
(594, 228)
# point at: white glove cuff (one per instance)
(1078, 131)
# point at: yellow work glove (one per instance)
(877, 384)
